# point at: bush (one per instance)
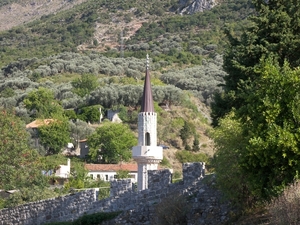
(177, 176)
(123, 174)
(165, 163)
(32, 194)
(90, 113)
(187, 156)
(92, 219)
(96, 218)
(171, 210)
(285, 208)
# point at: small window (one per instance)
(98, 176)
(147, 139)
(92, 176)
(106, 177)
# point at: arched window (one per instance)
(147, 139)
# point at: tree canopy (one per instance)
(84, 85)
(112, 142)
(55, 135)
(43, 103)
(272, 122)
(274, 31)
(262, 88)
(263, 142)
(19, 166)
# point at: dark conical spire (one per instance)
(147, 100)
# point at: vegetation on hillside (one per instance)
(274, 31)
(62, 64)
(20, 166)
(66, 30)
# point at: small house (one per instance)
(83, 150)
(63, 171)
(108, 172)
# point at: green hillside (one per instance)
(109, 40)
(69, 60)
(161, 32)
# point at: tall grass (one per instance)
(285, 209)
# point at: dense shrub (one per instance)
(187, 156)
(89, 113)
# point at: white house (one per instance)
(64, 170)
(108, 172)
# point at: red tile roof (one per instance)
(111, 167)
(37, 123)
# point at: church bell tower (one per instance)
(147, 154)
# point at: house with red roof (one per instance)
(39, 122)
(34, 125)
(108, 172)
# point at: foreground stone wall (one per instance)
(137, 207)
(63, 208)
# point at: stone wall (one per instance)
(137, 207)
(63, 208)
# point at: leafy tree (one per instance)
(128, 115)
(84, 85)
(80, 130)
(112, 142)
(79, 177)
(70, 114)
(261, 141)
(90, 113)
(230, 143)
(19, 165)
(272, 122)
(55, 135)
(44, 104)
(51, 162)
(275, 30)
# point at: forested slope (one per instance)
(79, 57)
(110, 40)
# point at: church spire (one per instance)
(147, 100)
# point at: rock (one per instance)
(191, 7)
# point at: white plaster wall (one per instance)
(64, 170)
(110, 175)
